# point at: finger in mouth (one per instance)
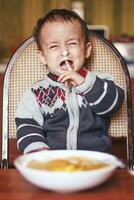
(63, 63)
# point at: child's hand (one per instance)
(71, 77)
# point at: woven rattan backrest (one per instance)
(26, 69)
(105, 60)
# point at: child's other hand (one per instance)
(71, 77)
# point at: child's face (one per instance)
(63, 43)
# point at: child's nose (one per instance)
(65, 52)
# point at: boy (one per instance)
(71, 107)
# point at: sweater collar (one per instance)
(82, 72)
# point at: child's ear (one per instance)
(41, 57)
(88, 49)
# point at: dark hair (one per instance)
(55, 15)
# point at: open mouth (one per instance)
(63, 64)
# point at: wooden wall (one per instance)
(17, 18)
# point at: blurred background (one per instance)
(111, 18)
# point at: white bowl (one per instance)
(66, 181)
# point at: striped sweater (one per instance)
(50, 116)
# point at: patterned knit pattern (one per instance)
(48, 96)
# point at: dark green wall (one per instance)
(10, 24)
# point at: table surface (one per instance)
(14, 187)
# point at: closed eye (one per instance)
(73, 43)
(53, 46)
